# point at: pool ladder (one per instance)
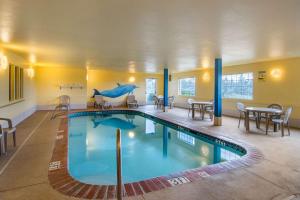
(119, 165)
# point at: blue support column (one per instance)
(166, 81)
(218, 92)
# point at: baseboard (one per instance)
(51, 107)
(22, 116)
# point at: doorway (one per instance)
(151, 85)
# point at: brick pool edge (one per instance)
(61, 180)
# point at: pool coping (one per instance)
(62, 181)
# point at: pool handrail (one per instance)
(119, 164)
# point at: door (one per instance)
(151, 84)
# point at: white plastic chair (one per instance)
(190, 101)
(4, 132)
(241, 108)
(64, 102)
(100, 102)
(284, 121)
(131, 101)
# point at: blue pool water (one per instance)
(150, 148)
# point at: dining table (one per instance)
(201, 105)
(260, 110)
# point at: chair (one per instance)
(275, 106)
(190, 101)
(171, 102)
(155, 100)
(158, 101)
(210, 110)
(243, 112)
(283, 121)
(4, 132)
(273, 116)
(63, 102)
(132, 102)
(101, 103)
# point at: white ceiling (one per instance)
(146, 35)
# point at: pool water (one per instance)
(149, 148)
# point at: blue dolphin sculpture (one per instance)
(116, 92)
(114, 122)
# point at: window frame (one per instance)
(239, 98)
(179, 86)
(16, 83)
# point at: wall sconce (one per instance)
(131, 79)
(3, 61)
(5, 36)
(32, 58)
(30, 72)
(276, 73)
(206, 77)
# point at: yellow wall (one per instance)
(49, 80)
(16, 110)
(108, 79)
(44, 88)
(281, 90)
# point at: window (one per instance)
(187, 86)
(237, 86)
(16, 82)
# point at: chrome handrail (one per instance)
(119, 165)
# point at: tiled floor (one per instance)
(277, 176)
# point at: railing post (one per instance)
(119, 165)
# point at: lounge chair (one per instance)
(63, 103)
(4, 132)
(101, 103)
(131, 102)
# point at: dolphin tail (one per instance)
(96, 92)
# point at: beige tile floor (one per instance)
(24, 169)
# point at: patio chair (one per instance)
(63, 103)
(190, 101)
(131, 102)
(171, 101)
(101, 103)
(284, 121)
(242, 112)
(158, 102)
(209, 109)
(4, 132)
(155, 100)
(275, 106)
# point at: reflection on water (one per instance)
(149, 149)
